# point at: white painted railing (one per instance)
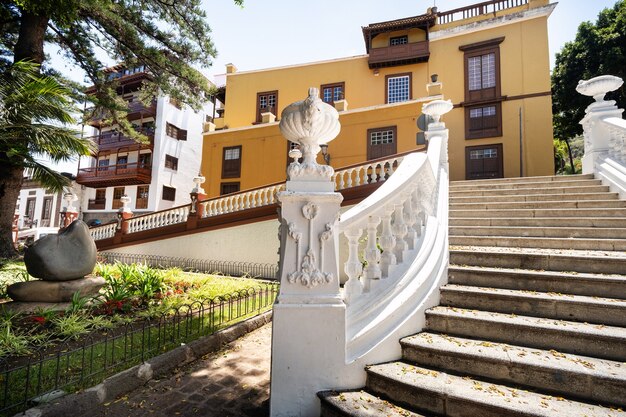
(158, 219)
(605, 134)
(104, 231)
(397, 257)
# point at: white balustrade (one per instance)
(323, 334)
(105, 231)
(604, 134)
(158, 219)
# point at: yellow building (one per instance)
(491, 60)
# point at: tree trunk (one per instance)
(29, 46)
(29, 43)
(10, 184)
(571, 158)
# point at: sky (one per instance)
(270, 33)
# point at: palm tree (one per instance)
(35, 115)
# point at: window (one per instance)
(118, 192)
(483, 121)
(144, 160)
(381, 142)
(171, 162)
(231, 162)
(169, 193)
(142, 197)
(122, 161)
(482, 70)
(47, 208)
(398, 88)
(30, 212)
(398, 40)
(175, 132)
(229, 188)
(484, 161)
(103, 164)
(266, 102)
(332, 92)
(101, 194)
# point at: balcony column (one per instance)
(69, 213)
(196, 210)
(308, 334)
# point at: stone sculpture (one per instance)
(61, 262)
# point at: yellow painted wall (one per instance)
(524, 71)
(414, 35)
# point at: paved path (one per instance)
(232, 382)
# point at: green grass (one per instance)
(11, 271)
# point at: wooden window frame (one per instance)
(231, 173)
(225, 184)
(178, 134)
(117, 203)
(144, 201)
(484, 133)
(47, 198)
(479, 49)
(498, 146)
(403, 74)
(165, 196)
(258, 117)
(391, 39)
(380, 129)
(341, 84)
(171, 162)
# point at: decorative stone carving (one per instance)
(309, 274)
(198, 181)
(309, 123)
(436, 109)
(597, 87)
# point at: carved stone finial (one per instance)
(70, 198)
(310, 123)
(125, 200)
(436, 109)
(597, 87)
(198, 181)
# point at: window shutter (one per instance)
(182, 134)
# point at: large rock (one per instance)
(69, 255)
(54, 292)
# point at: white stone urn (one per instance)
(436, 109)
(198, 181)
(597, 87)
(309, 123)
(125, 200)
(70, 198)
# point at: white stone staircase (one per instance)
(533, 319)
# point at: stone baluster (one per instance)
(353, 266)
(400, 230)
(410, 218)
(372, 272)
(387, 241)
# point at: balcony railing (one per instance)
(478, 10)
(136, 110)
(399, 54)
(115, 140)
(131, 173)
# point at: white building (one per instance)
(155, 175)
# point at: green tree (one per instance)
(35, 111)
(168, 37)
(598, 49)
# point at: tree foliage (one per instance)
(598, 49)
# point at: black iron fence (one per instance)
(232, 268)
(73, 365)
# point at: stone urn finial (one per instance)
(198, 181)
(70, 198)
(309, 123)
(436, 109)
(597, 87)
(125, 200)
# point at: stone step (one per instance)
(517, 180)
(536, 197)
(524, 185)
(359, 404)
(578, 222)
(552, 305)
(581, 377)
(596, 262)
(556, 212)
(562, 232)
(606, 342)
(530, 191)
(593, 285)
(532, 205)
(445, 394)
(541, 242)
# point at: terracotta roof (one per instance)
(400, 23)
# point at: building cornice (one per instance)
(305, 64)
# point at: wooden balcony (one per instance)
(114, 140)
(115, 175)
(136, 111)
(408, 53)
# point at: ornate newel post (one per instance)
(197, 194)
(309, 315)
(597, 135)
(123, 214)
(69, 213)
